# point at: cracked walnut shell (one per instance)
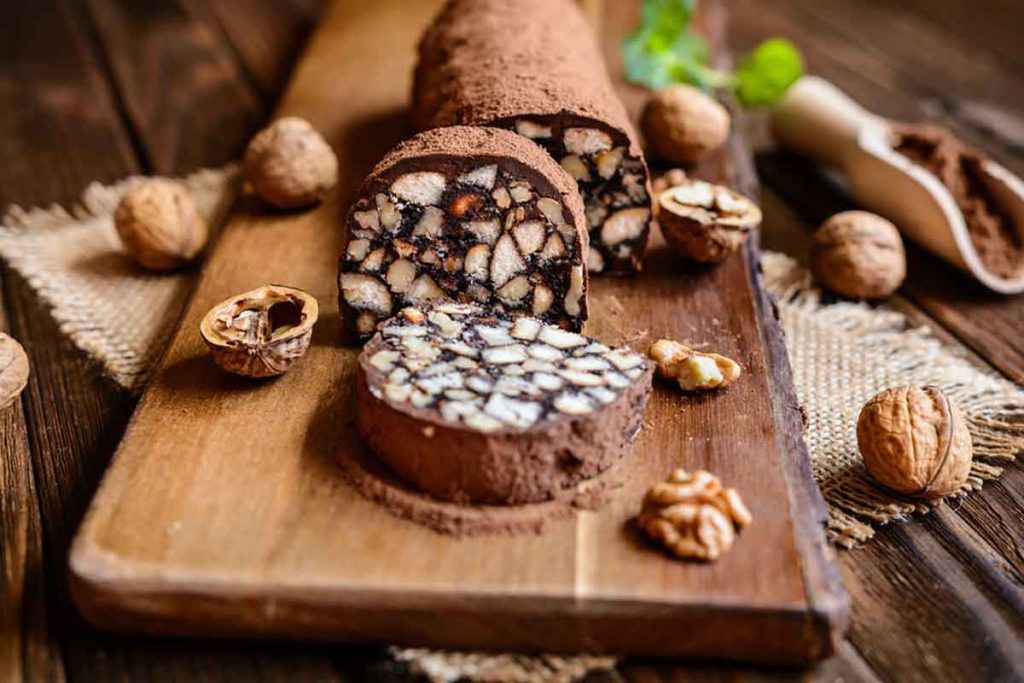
(693, 370)
(693, 516)
(705, 222)
(260, 333)
(858, 255)
(159, 225)
(915, 441)
(13, 370)
(290, 165)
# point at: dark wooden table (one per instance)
(100, 89)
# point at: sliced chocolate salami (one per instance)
(468, 405)
(465, 214)
(533, 66)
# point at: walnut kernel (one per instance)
(682, 125)
(159, 225)
(260, 333)
(693, 516)
(693, 370)
(915, 441)
(858, 255)
(13, 370)
(290, 165)
(704, 222)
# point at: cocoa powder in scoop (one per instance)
(959, 168)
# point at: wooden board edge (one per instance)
(828, 602)
(130, 598)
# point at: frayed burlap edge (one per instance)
(40, 243)
(994, 406)
(439, 666)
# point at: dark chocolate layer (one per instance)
(466, 214)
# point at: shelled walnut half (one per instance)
(693, 516)
(260, 333)
(705, 222)
(13, 370)
(694, 370)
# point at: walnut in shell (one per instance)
(682, 125)
(693, 516)
(705, 222)
(858, 255)
(260, 333)
(13, 370)
(159, 225)
(290, 165)
(693, 370)
(914, 441)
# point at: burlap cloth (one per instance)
(841, 353)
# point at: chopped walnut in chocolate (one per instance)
(692, 516)
(693, 370)
(436, 223)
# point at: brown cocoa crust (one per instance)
(456, 149)
(503, 467)
(536, 59)
(493, 62)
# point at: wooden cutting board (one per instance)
(225, 512)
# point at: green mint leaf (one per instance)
(662, 50)
(767, 72)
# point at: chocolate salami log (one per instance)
(471, 406)
(533, 66)
(466, 214)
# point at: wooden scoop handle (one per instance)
(818, 120)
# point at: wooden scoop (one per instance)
(819, 120)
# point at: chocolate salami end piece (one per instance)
(471, 406)
(465, 214)
(533, 66)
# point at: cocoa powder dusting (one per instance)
(375, 483)
(959, 168)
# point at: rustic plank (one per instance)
(918, 615)
(266, 37)
(27, 649)
(986, 322)
(62, 123)
(963, 562)
(179, 83)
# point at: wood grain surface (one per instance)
(66, 126)
(224, 511)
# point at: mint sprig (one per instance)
(664, 50)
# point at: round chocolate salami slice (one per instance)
(466, 214)
(470, 406)
(533, 66)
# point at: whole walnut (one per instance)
(290, 165)
(858, 255)
(914, 441)
(682, 125)
(159, 225)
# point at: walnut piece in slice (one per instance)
(692, 516)
(693, 370)
(260, 333)
(705, 222)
